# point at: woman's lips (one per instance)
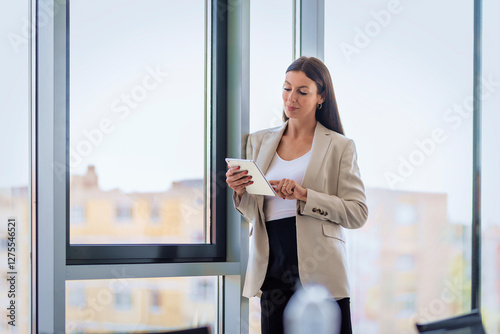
(291, 108)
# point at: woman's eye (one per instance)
(289, 90)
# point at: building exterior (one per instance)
(490, 267)
(114, 217)
(408, 264)
(173, 216)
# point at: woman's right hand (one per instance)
(238, 180)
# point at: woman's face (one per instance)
(300, 96)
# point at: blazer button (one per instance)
(314, 209)
(326, 213)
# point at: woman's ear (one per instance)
(321, 98)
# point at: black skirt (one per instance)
(282, 278)
(283, 268)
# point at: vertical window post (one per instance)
(50, 178)
(312, 28)
(476, 159)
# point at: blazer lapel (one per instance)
(267, 149)
(269, 146)
(321, 142)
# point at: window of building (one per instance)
(155, 212)
(76, 297)
(406, 214)
(123, 213)
(143, 150)
(406, 304)
(77, 214)
(399, 71)
(269, 59)
(141, 305)
(402, 78)
(490, 165)
(405, 263)
(155, 300)
(123, 300)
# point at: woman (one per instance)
(298, 237)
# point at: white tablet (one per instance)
(260, 185)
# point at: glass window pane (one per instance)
(271, 52)
(137, 122)
(15, 237)
(141, 305)
(490, 267)
(402, 73)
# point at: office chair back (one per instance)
(199, 330)
(464, 324)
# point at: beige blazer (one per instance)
(335, 200)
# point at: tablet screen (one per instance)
(260, 185)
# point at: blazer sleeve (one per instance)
(348, 207)
(246, 206)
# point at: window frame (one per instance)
(50, 269)
(49, 178)
(216, 109)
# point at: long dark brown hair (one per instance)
(315, 70)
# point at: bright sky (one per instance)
(142, 70)
(395, 91)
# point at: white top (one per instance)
(277, 207)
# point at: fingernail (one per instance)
(238, 167)
(283, 197)
(246, 172)
(251, 182)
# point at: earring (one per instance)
(320, 105)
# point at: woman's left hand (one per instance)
(289, 189)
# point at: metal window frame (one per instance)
(32, 158)
(476, 158)
(309, 31)
(48, 70)
(236, 308)
(310, 28)
(49, 152)
(215, 251)
(49, 122)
